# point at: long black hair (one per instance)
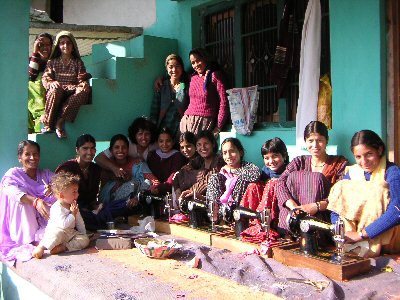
(275, 145)
(368, 138)
(316, 127)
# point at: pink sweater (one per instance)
(210, 103)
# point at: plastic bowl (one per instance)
(157, 248)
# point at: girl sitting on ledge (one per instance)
(66, 82)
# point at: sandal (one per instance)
(61, 133)
(46, 129)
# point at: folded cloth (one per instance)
(145, 225)
(179, 219)
(255, 234)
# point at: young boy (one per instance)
(60, 234)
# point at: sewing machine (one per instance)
(305, 252)
(155, 206)
(198, 213)
(306, 228)
(242, 215)
(201, 213)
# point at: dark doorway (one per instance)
(56, 10)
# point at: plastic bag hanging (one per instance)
(243, 104)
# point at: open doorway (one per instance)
(53, 8)
(56, 10)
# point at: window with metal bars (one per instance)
(246, 51)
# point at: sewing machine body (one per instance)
(332, 262)
(242, 216)
(306, 229)
(158, 207)
(202, 214)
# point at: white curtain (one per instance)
(310, 56)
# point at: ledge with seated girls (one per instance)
(66, 82)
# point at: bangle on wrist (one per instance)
(35, 202)
(318, 206)
(363, 237)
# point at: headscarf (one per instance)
(57, 42)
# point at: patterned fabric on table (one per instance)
(254, 233)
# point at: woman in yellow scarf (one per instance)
(369, 200)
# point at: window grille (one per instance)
(219, 37)
(257, 39)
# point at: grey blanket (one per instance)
(82, 275)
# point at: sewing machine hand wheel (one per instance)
(293, 221)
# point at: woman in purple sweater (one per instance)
(369, 201)
(208, 106)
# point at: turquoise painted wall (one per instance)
(174, 19)
(358, 66)
(14, 17)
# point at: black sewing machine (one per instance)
(155, 206)
(330, 261)
(198, 213)
(306, 229)
(201, 213)
(242, 215)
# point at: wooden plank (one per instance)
(231, 243)
(184, 231)
(342, 272)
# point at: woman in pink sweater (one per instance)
(208, 106)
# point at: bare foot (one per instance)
(60, 123)
(58, 249)
(38, 252)
(42, 118)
